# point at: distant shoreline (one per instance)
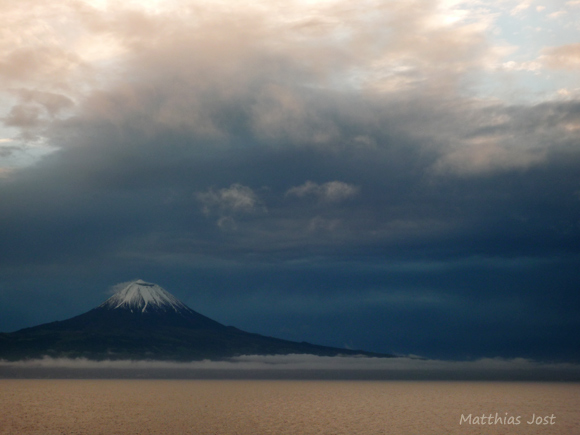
(16, 372)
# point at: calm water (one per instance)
(282, 407)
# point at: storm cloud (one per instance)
(315, 171)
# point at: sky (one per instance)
(396, 176)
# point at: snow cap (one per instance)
(144, 296)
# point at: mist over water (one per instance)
(295, 366)
(252, 407)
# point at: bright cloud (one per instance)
(562, 57)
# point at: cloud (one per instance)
(6, 172)
(234, 199)
(227, 203)
(521, 66)
(521, 6)
(252, 75)
(294, 365)
(120, 286)
(332, 191)
(7, 150)
(479, 155)
(268, 139)
(557, 14)
(562, 57)
(38, 49)
(233, 49)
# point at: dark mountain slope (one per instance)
(143, 321)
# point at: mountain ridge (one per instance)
(143, 321)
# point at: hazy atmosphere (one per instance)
(395, 176)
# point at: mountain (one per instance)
(144, 321)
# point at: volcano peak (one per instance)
(142, 321)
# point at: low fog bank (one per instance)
(296, 367)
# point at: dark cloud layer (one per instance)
(235, 165)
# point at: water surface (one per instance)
(253, 407)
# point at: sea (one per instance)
(292, 407)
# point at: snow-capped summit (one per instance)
(142, 321)
(141, 296)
